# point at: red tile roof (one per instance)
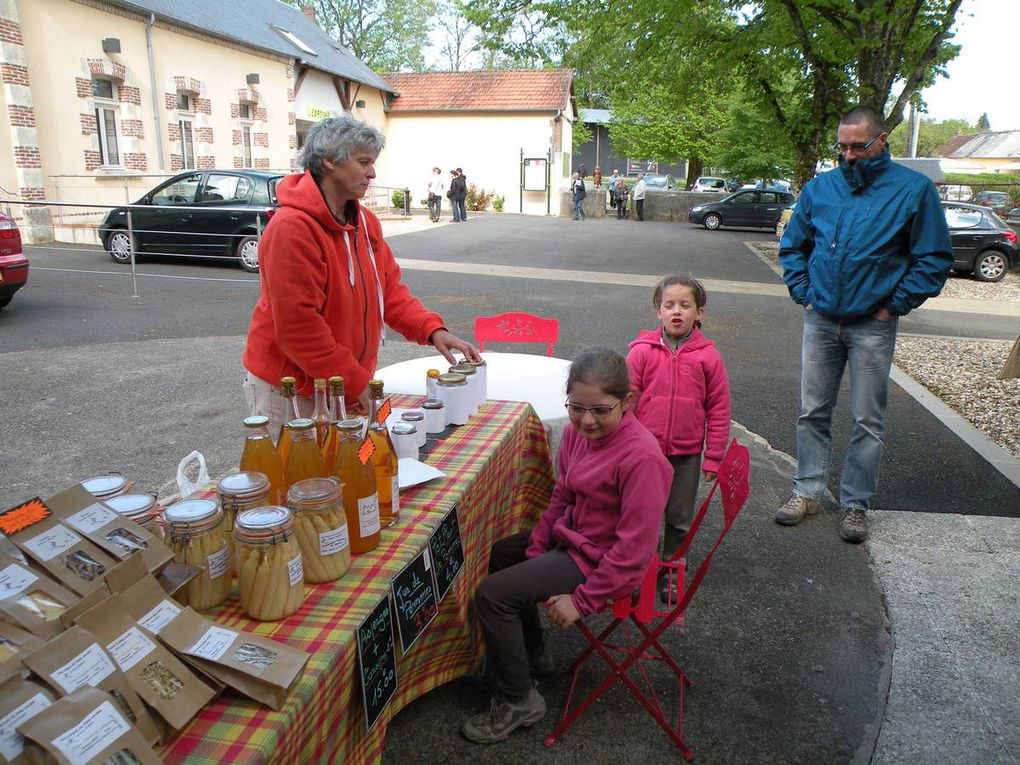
(489, 90)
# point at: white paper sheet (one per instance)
(412, 472)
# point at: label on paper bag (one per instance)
(130, 648)
(331, 542)
(90, 667)
(52, 542)
(368, 515)
(395, 493)
(11, 742)
(218, 563)
(92, 518)
(213, 644)
(295, 570)
(14, 580)
(160, 616)
(92, 735)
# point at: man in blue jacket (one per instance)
(867, 244)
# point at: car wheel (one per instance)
(990, 266)
(118, 244)
(248, 254)
(712, 221)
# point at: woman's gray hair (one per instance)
(334, 139)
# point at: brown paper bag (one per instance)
(106, 528)
(15, 645)
(63, 553)
(1012, 366)
(257, 667)
(87, 728)
(75, 659)
(20, 700)
(162, 681)
(171, 578)
(32, 600)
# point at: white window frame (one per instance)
(101, 107)
(188, 145)
(246, 152)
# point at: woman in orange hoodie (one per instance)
(329, 282)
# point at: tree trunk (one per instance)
(694, 167)
(807, 162)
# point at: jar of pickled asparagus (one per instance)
(196, 536)
(140, 508)
(106, 486)
(240, 492)
(270, 575)
(321, 526)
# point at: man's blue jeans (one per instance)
(578, 211)
(827, 346)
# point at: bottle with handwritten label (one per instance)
(260, 456)
(361, 501)
(384, 458)
(337, 413)
(304, 459)
(320, 413)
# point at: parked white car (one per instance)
(707, 183)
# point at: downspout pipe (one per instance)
(152, 87)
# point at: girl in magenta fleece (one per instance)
(683, 397)
(593, 543)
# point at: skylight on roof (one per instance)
(294, 40)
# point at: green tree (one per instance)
(388, 35)
(983, 123)
(930, 136)
(751, 145)
(456, 37)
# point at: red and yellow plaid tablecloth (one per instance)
(499, 475)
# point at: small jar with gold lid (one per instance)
(270, 572)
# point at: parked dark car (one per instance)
(749, 207)
(196, 213)
(983, 245)
(999, 201)
(13, 263)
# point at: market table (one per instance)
(499, 475)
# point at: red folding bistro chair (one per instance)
(733, 485)
(517, 328)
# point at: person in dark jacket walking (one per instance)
(867, 244)
(457, 195)
(578, 194)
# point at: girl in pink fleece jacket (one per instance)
(593, 543)
(683, 397)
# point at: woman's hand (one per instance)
(562, 612)
(708, 475)
(446, 342)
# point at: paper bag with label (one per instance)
(15, 644)
(105, 527)
(20, 700)
(63, 553)
(162, 680)
(32, 600)
(255, 666)
(75, 659)
(87, 728)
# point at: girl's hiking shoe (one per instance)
(503, 718)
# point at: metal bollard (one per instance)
(407, 201)
(131, 239)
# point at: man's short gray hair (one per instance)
(334, 139)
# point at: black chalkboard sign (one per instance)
(377, 660)
(414, 599)
(447, 552)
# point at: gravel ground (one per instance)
(962, 373)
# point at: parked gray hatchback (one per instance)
(757, 208)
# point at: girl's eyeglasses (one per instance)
(576, 410)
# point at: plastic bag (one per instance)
(185, 485)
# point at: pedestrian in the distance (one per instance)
(596, 177)
(458, 187)
(436, 189)
(620, 194)
(683, 398)
(578, 193)
(867, 244)
(638, 193)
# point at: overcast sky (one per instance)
(983, 77)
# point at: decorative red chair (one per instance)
(517, 328)
(640, 611)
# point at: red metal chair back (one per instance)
(517, 328)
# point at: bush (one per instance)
(398, 199)
(497, 203)
(478, 199)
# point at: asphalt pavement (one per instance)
(801, 648)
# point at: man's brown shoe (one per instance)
(854, 526)
(794, 509)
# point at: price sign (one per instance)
(447, 552)
(377, 661)
(414, 599)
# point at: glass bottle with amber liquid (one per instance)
(304, 459)
(288, 390)
(259, 455)
(384, 458)
(320, 414)
(337, 414)
(361, 500)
